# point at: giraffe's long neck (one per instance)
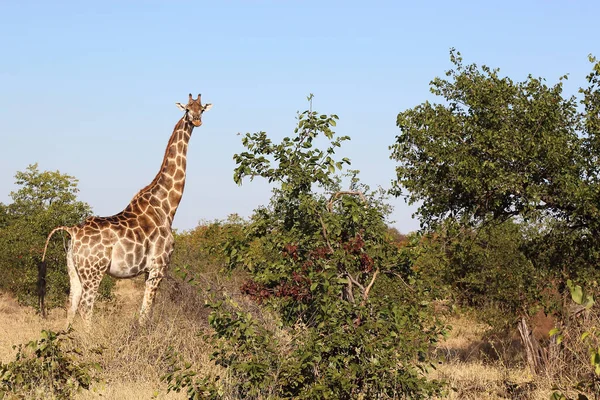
(166, 190)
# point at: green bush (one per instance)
(486, 269)
(202, 249)
(577, 343)
(48, 367)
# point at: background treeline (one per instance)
(315, 296)
(43, 201)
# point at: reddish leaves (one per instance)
(297, 289)
(297, 286)
(291, 251)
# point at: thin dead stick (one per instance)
(349, 292)
(397, 275)
(365, 291)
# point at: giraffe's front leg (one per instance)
(154, 278)
(162, 250)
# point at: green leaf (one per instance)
(576, 292)
(589, 301)
(594, 358)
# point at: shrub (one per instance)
(50, 365)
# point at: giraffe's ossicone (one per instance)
(137, 240)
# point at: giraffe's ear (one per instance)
(207, 107)
(181, 106)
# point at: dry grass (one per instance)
(132, 356)
(474, 367)
(21, 324)
(480, 380)
(137, 390)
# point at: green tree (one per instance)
(323, 259)
(495, 148)
(44, 200)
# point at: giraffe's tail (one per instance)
(59, 228)
(41, 282)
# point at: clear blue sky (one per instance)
(88, 88)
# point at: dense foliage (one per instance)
(499, 148)
(322, 258)
(496, 150)
(44, 200)
(201, 251)
(486, 269)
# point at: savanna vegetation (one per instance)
(315, 296)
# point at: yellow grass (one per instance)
(473, 371)
(478, 380)
(21, 324)
(132, 357)
(136, 390)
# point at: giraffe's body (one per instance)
(138, 239)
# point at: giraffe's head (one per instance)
(193, 110)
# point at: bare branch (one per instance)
(368, 289)
(362, 288)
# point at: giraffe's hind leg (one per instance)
(75, 291)
(89, 291)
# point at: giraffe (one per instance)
(138, 239)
